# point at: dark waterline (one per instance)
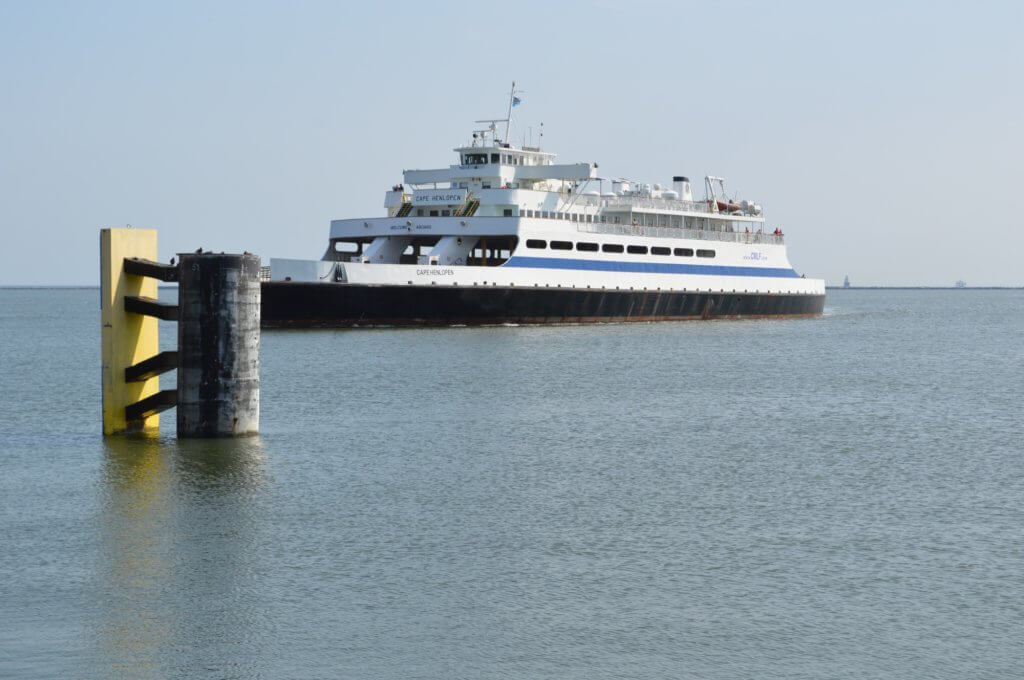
(828, 498)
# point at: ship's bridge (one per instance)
(503, 154)
(501, 165)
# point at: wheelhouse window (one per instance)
(561, 245)
(660, 250)
(536, 243)
(495, 157)
(636, 250)
(683, 252)
(705, 253)
(612, 247)
(475, 159)
(588, 247)
(507, 212)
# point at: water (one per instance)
(829, 498)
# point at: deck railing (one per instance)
(674, 204)
(677, 232)
(647, 203)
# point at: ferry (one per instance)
(507, 235)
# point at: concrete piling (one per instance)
(218, 345)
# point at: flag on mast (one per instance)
(516, 101)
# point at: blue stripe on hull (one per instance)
(648, 267)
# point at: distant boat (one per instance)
(961, 284)
(846, 281)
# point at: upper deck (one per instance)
(493, 178)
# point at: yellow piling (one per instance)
(126, 338)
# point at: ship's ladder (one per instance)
(404, 210)
(468, 208)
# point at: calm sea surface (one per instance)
(840, 497)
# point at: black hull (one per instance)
(333, 305)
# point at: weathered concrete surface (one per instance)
(218, 345)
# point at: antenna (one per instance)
(508, 119)
(512, 102)
(492, 129)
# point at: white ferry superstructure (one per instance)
(507, 235)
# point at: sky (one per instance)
(885, 139)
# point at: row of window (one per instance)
(651, 220)
(540, 244)
(698, 223)
(639, 219)
(509, 212)
(421, 212)
(574, 217)
(504, 158)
